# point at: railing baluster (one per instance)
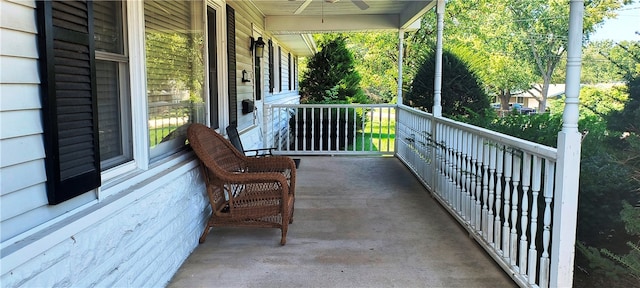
(508, 157)
(478, 176)
(462, 147)
(500, 149)
(535, 189)
(389, 129)
(515, 179)
(524, 218)
(472, 179)
(545, 262)
(457, 173)
(486, 234)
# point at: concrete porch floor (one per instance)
(358, 222)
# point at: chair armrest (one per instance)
(253, 184)
(256, 152)
(271, 164)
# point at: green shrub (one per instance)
(462, 90)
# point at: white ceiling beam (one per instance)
(302, 7)
(409, 16)
(309, 24)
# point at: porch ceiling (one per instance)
(288, 19)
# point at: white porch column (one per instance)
(568, 172)
(437, 85)
(400, 64)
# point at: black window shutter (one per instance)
(279, 68)
(69, 101)
(290, 70)
(231, 59)
(272, 83)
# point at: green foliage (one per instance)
(599, 263)
(376, 59)
(627, 120)
(461, 88)
(331, 76)
(539, 128)
(630, 261)
(604, 185)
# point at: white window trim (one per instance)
(221, 58)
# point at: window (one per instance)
(174, 41)
(86, 100)
(114, 113)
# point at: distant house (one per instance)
(530, 97)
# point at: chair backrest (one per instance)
(216, 152)
(234, 137)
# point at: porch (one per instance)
(359, 222)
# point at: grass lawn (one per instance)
(377, 135)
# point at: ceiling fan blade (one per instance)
(361, 4)
(302, 7)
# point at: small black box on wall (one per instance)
(247, 106)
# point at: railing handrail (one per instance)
(332, 105)
(525, 145)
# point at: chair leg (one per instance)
(283, 240)
(291, 215)
(204, 234)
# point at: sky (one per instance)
(621, 28)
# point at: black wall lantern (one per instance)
(258, 45)
(245, 76)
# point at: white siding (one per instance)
(246, 19)
(285, 70)
(22, 172)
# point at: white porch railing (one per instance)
(500, 188)
(312, 129)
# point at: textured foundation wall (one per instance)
(140, 245)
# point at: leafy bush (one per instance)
(462, 90)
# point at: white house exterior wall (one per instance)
(127, 242)
(139, 235)
(250, 126)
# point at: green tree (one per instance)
(461, 87)
(376, 59)
(543, 24)
(331, 76)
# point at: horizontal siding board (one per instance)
(34, 217)
(23, 70)
(22, 44)
(21, 176)
(21, 149)
(17, 16)
(19, 123)
(19, 97)
(29, 198)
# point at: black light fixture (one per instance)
(245, 76)
(258, 45)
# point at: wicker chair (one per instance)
(243, 191)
